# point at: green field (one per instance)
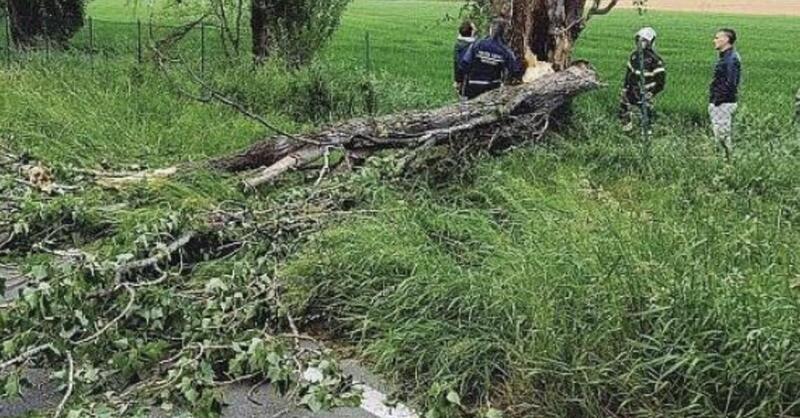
(572, 279)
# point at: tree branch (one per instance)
(70, 386)
(597, 10)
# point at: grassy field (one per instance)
(576, 278)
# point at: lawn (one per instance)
(589, 276)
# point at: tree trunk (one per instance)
(24, 22)
(494, 120)
(259, 15)
(548, 29)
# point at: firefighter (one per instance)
(651, 82)
(488, 61)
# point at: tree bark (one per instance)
(478, 121)
(548, 29)
(259, 15)
(23, 22)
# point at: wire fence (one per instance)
(201, 44)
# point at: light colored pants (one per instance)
(722, 124)
(797, 107)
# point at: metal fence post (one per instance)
(139, 39)
(202, 46)
(8, 40)
(91, 42)
(367, 55)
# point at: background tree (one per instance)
(293, 29)
(52, 21)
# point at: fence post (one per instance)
(202, 46)
(91, 42)
(139, 39)
(367, 55)
(8, 40)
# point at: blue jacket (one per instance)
(486, 60)
(727, 75)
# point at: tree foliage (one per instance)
(51, 21)
(298, 29)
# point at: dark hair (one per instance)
(730, 33)
(498, 29)
(466, 28)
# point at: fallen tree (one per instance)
(494, 120)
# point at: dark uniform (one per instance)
(485, 63)
(723, 97)
(655, 79)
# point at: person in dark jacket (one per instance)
(488, 61)
(797, 107)
(638, 84)
(466, 37)
(724, 89)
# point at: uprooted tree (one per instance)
(543, 31)
(141, 329)
(54, 22)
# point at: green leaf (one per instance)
(12, 386)
(494, 413)
(432, 413)
(190, 394)
(453, 398)
(39, 272)
(313, 403)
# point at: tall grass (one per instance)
(580, 278)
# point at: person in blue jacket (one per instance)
(488, 62)
(724, 89)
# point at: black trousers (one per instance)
(474, 90)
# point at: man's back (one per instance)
(485, 62)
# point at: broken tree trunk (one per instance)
(480, 121)
(548, 29)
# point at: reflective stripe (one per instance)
(646, 74)
(484, 83)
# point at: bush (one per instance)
(52, 20)
(300, 28)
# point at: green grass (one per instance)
(574, 279)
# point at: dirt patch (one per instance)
(759, 7)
